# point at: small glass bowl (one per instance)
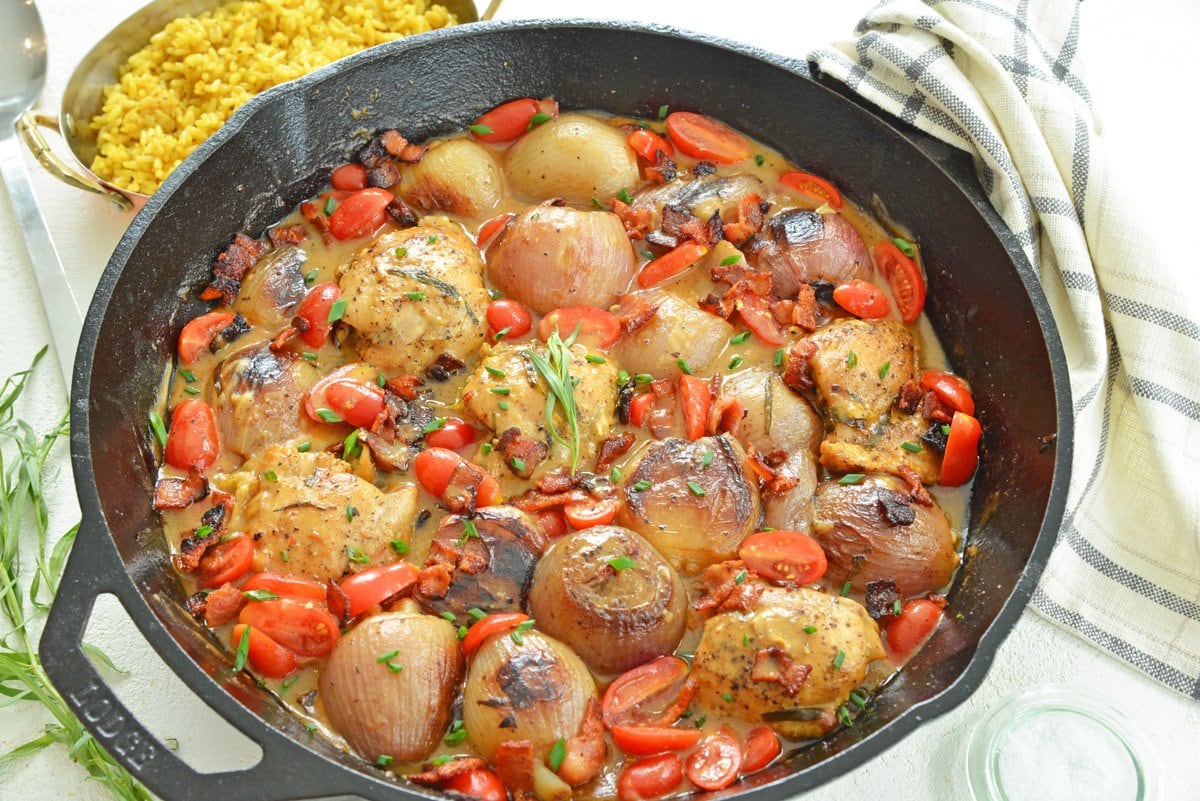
(1058, 744)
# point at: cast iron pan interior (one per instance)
(280, 148)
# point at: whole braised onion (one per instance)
(456, 175)
(573, 157)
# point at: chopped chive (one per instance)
(858, 699)
(738, 339)
(810, 629)
(187, 374)
(905, 246)
(558, 752)
(443, 759)
(598, 204)
(351, 513)
(620, 563)
(448, 615)
(310, 276)
(648, 254)
(745, 639)
(308, 356)
(350, 446)
(844, 716)
(897, 608)
(696, 489)
(503, 406)
(883, 371)
(594, 359)
(614, 475)
(682, 364)
(287, 683)
(500, 390)
(304, 447)
(270, 475)
(736, 362)
(191, 390)
(501, 334)
(624, 197)
(462, 632)
(852, 359)
(202, 532)
(480, 130)
(839, 659)
(401, 252)
(538, 119)
(517, 463)
(469, 531)
(380, 380)
(329, 415)
(159, 429)
(515, 636)
(767, 528)
(728, 698)
(436, 424)
(357, 555)
(728, 260)
(392, 666)
(758, 159)
(845, 588)
(622, 378)
(399, 546)
(388, 657)
(493, 371)
(415, 295)
(329, 205)
(283, 556)
(336, 311)
(643, 378)
(260, 595)
(663, 111)
(476, 613)
(779, 357)
(911, 447)
(526, 625)
(642, 486)
(457, 734)
(432, 238)
(851, 478)
(946, 429)
(700, 721)
(243, 650)
(740, 577)
(485, 448)
(383, 760)
(494, 294)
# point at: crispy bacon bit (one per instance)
(514, 764)
(796, 372)
(436, 774)
(394, 457)
(773, 483)
(434, 581)
(445, 366)
(231, 266)
(800, 312)
(384, 174)
(612, 449)
(464, 483)
(191, 551)
(934, 410)
(558, 481)
(633, 312)
(404, 386)
(237, 326)
(586, 751)
(680, 224)
(402, 213)
(180, 493)
(664, 169)
(910, 397)
(774, 664)
(723, 592)
(636, 221)
(703, 168)
(520, 454)
(881, 598)
(317, 219)
(916, 489)
(287, 235)
(895, 509)
(223, 604)
(282, 339)
(749, 219)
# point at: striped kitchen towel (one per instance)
(1001, 80)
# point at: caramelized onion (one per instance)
(574, 157)
(678, 330)
(608, 594)
(259, 398)
(455, 175)
(799, 247)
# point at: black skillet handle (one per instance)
(286, 771)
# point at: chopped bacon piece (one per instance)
(282, 339)
(680, 224)
(231, 266)
(404, 386)
(383, 174)
(191, 551)
(916, 489)
(520, 454)
(222, 605)
(459, 495)
(514, 764)
(748, 220)
(773, 483)
(612, 449)
(910, 398)
(633, 312)
(400, 148)
(725, 415)
(727, 587)
(287, 235)
(796, 370)
(180, 493)
(636, 221)
(434, 581)
(534, 501)
(558, 481)
(804, 313)
(237, 326)
(436, 774)
(317, 219)
(402, 213)
(776, 665)
(704, 168)
(446, 365)
(934, 410)
(585, 752)
(881, 598)
(664, 170)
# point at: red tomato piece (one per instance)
(192, 441)
(703, 137)
(226, 561)
(361, 213)
(862, 299)
(597, 328)
(454, 434)
(671, 263)
(650, 777)
(266, 656)
(762, 746)
(198, 334)
(552, 522)
(647, 144)
(783, 556)
(510, 314)
(813, 186)
(696, 401)
(492, 227)
(905, 279)
(507, 121)
(950, 390)
(652, 693)
(301, 627)
(646, 740)
(756, 314)
(596, 513)
(918, 618)
(349, 178)
(481, 783)
(639, 407)
(717, 762)
(492, 624)
(314, 310)
(962, 451)
(355, 401)
(436, 468)
(293, 587)
(376, 585)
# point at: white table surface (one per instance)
(1141, 58)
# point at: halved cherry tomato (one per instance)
(647, 144)
(903, 275)
(656, 693)
(950, 390)
(639, 407)
(492, 624)
(507, 121)
(703, 137)
(649, 778)
(192, 440)
(762, 746)
(717, 762)
(491, 228)
(265, 655)
(962, 451)
(349, 177)
(783, 556)
(293, 587)
(314, 310)
(454, 434)
(377, 584)
(226, 561)
(552, 522)
(355, 401)
(199, 332)
(510, 314)
(646, 740)
(436, 468)
(862, 299)
(597, 327)
(481, 783)
(361, 213)
(918, 618)
(756, 314)
(813, 186)
(299, 626)
(696, 401)
(596, 513)
(671, 263)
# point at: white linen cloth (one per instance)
(1001, 79)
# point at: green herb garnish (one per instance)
(415, 295)
(738, 339)
(839, 659)
(740, 577)
(883, 371)
(555, 371)
(388, 657)
(728, 260)
(852, 359)
(558, 752)
(663, 111)
(336, 311)
(399, 546)
(157, 427)
(779, 354)
(728, 698)
(696, 489)
(356, 555)
(243, 650)
(538, 119)
(682, 364)
(620, 563)
(594, 359)
(911, 447)
(905, 246)
(736, 362)
(642, 486)
(260, 595)
(480, 130)
(436, 424)
(330, 205)
(270, 475)
(329, 415)
(494, 372)
(304, 447)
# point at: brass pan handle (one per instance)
(27, 128)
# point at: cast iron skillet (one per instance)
(985, 304)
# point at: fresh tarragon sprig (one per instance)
(557, 375)
(21, 675)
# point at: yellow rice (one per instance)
(181, 87)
